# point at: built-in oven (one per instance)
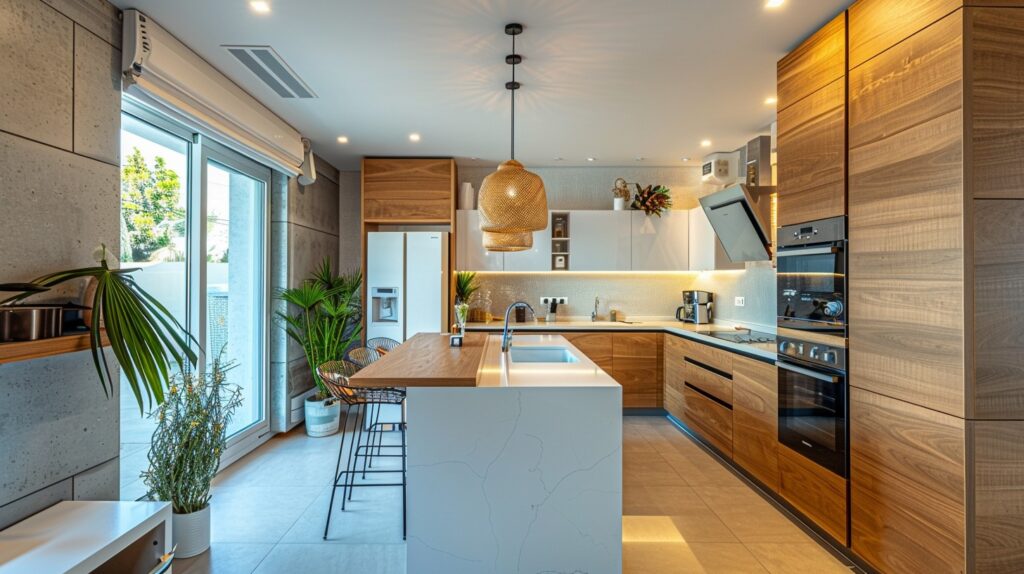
(813, 402)
(811, 272)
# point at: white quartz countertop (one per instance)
(498, 370)
(696, 332)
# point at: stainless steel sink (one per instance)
(542, 355)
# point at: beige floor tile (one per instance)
(700, 469)
(660, 500)
(803, 557)
(723, 558)
(750, 517)
(648, 469)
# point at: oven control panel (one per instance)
(811, 352)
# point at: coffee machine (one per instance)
(697, 307)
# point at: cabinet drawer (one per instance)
(708, 381)
(711, 420)
(814, 491)
(707, 355)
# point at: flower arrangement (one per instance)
(653, 200)
(189, 438)
(621, 189)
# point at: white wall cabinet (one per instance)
(470, 254)
(660, 243)
(706, 251)
(599, 241)
(537, 258)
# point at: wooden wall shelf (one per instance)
(27, 350)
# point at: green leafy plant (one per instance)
(191, 429)
(327, 322)
(150, 213)
(465, 286)
(144, 336)
(653, 200)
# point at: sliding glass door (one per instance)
(195, 222)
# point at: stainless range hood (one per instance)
(741, 217)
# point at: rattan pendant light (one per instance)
(513, 203)
(508, 241)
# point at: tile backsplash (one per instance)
(635, 294)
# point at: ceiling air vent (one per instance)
(271, 68)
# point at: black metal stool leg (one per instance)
(370, 437)
(337, 470)
(353, 456)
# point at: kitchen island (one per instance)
(514, 459)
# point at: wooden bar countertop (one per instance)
(426, 360)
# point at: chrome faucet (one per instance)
(597, 301)
(506, 337)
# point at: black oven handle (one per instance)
(826, 377)
(807, 251)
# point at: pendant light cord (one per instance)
(513, 152)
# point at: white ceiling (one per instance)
(608, 79)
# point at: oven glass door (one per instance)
(812, 287)
(812, 414)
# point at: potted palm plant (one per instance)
(326, 323)
(184, 456)
(146, 339)
(465, 286)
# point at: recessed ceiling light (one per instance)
(591, 159)
(639, 158)
(684, 159)
(260, 6)
(474, 158)
(705, 143)
(414, 137)
(773, 4)
(771, 101)
(343, 139)
(557, 158)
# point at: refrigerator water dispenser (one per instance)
(385, 305)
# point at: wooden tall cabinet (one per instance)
(812, 127)
(936, 308)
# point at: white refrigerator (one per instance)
(407, 283)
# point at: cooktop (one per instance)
(743, 336)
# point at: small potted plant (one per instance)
(326, 324)
(184, 456)
(653, 199)
(465, 286)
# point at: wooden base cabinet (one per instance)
(755, 419)
(907, 485)
(632, 359)
(818, 493)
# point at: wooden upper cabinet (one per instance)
(907, 485)
(877, 25)
(408, 190)
(916, 80)
(755, 419)
(816, 63)
(812, 156)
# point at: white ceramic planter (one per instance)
(322, 417)
(619, 203)
(191, 532)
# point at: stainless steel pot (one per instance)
(30, 322)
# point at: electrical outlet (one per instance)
(741, 301)
(546, 301)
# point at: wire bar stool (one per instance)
(335, 375)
